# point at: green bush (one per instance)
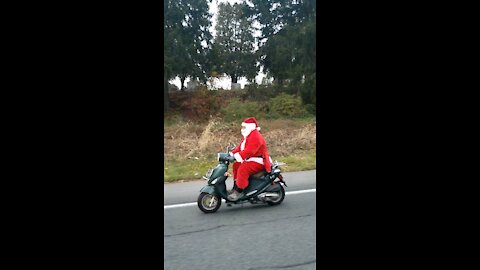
(311, 109)
(288, 105)
(260, 92)
(308, 92)
(171, 118)
(238, 110)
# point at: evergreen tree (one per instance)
(234, 43)
(186, 38)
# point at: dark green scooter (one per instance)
(263, 187)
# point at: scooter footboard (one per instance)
(255, 184)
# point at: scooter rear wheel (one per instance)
(280, 198)
(208, 203)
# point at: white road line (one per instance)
(194, 203)
(300, 191)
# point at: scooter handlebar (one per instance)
(225, 157)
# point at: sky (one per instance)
(224, 82)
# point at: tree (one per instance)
(186, 38)
(166, 98)
(288, 41)
(234, 43)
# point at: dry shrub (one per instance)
(228, 95)
(289, 140)
(207, 137)
(177, 140)
(196, 106)
(280, 124)
(186, 141)
(197, 140)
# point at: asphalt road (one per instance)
(247, 237)
(188, 191)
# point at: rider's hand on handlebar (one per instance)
(227, 174)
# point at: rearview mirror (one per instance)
(230, 147)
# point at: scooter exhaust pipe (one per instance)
(264, 196)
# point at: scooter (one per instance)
(263, 187)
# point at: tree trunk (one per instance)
(182, 80)
(234, 78)
(280, 81)
(166, 100)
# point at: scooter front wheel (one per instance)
(208, 203)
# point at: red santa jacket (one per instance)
(254, 146)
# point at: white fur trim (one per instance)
(242, 146)
(258, 160)
(238, 157)
(251, 126)
(255, 159)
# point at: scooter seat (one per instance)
(260, 174)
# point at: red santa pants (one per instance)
(241, 172)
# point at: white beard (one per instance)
(248, 128)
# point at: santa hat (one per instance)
(251, 123)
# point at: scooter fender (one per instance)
(208, 189)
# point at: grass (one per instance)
(194, 169)
(190, 148)
(299, 162)
(175, 170)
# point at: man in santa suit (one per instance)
(251, 156)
